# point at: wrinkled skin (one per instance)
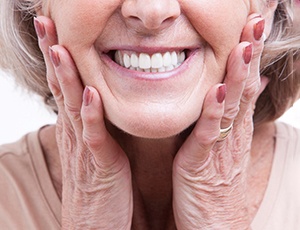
(208, 176)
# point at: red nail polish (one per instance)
(54, 56)
(39, 28)
(87, 96)
(221, 93)
(258, 29)
(247, 55)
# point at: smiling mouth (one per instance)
(149, 63)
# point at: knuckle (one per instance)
(231, 112)
(73, 112)
(54, 87)
(205, 140)
(93, 141)
(59, 97)
(69, 139)
(65, 81)
(89, 118)
(251, 91)
(215, 115)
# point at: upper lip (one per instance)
(149, 50)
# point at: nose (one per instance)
(152, 14)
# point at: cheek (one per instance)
(79, 24)
(220, 24)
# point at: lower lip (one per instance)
(122, 71)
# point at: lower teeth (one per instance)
(155, 70)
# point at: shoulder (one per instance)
(21, 146)
(287, 162)
(25, 182)
(17, 148)
(285, 130)
(281, 203)
(288, 138)
(18, 153)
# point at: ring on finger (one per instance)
(225, 132)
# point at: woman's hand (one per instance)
(209, 175)
(97, 188)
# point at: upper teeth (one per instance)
(155, 63)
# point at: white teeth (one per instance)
(167, 59)
(126, 60)
(119, 58)
(145, 63)
(162, 69)
(181, 57)
(134, 61)
(174, 58)
(157, 60)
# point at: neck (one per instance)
(151, 163)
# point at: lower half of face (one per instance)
(153, 81)
(154, 104)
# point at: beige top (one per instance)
(280, 208)
(29, 201)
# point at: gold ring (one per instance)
(225, 132)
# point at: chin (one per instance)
(154, 126)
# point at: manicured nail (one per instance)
(221, 93)
(258, 29)
(54, 56)
(247, 55)
(87, 96)
(253, 16)
(39, 28)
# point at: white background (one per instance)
(21, 113)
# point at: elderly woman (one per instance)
(155, 103)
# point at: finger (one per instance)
(254, 33)
(47, 37)
(69, 83)
(264, 82)
(235, 80)
(95, 135)
(196, 148)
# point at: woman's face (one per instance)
(116, 43)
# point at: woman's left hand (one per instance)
(209, 175)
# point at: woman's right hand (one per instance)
(97, 186)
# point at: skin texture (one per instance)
(179, 180)
(163, 108)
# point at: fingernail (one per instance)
(54, 56)
(221, 93)
(87, 96)
(247, 55)
(258, 29)
(39, 28)
(255, 15)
